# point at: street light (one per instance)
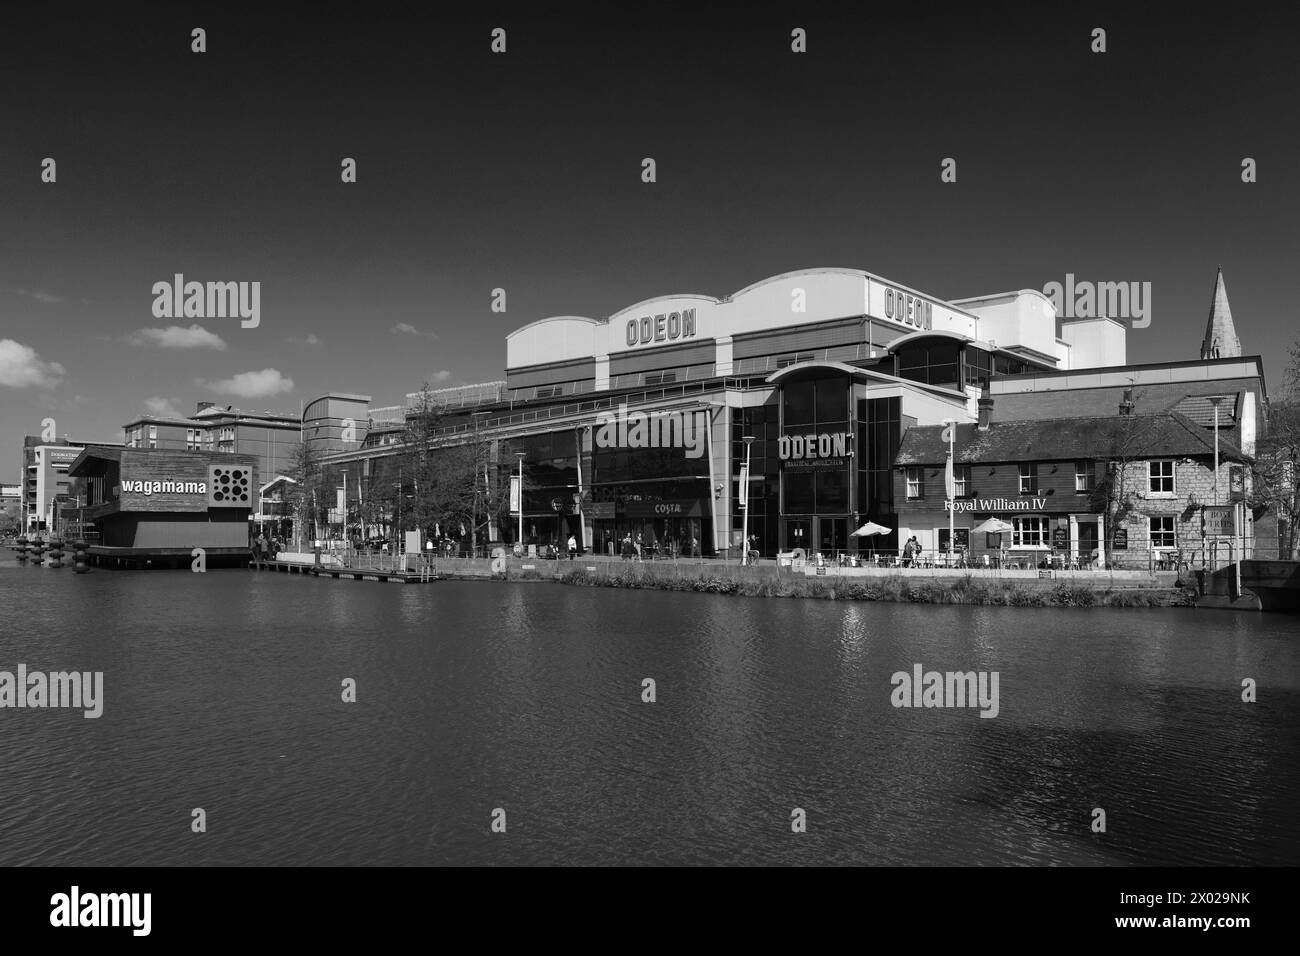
(520, 456)
(345, 503)
(473, 526)
(744, 480)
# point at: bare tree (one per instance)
(1275, 472)
(1123, 473)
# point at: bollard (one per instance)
(21, 543)
(79, 557)
(56, 552)
(38, 551)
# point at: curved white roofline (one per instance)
(636, 307)
(555, 318)
(804, 366)
(823, 270)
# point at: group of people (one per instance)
(636, 548)
(264, 548)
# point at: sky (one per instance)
(522, 171)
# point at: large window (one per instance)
(1030, 531)
(1084, 476)
(915, 482)
(1162, 531)
(1160, 480)
(960, 481)
(1029, 479)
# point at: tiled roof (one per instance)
(1062, 439)
(1200, 410)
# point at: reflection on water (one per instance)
(223, 691)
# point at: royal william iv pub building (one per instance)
(641, 424)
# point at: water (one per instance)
(223, 691)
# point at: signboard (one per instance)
(1236, 483)
(813, 450)
(514, 494)
(1217, 521)
(597, 510)
(997, 504)
(1060, 538)
(1121, 539)
(669, 508)
(663, 328)
(412, 542)
(744, 488)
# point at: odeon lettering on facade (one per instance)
(640, 423)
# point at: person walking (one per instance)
(573, 547)
(908, 552)
(636, 546)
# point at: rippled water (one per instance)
(223, 692)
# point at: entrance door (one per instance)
(798, 534)
(1088, 539)
(832, 535)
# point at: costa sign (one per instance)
(812, 446)
(665, 327)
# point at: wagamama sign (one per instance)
(167, 487)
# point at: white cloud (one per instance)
(177, 337)
(261, 384)
(21, 367)
(440, 376)
(311, 339)
(162, 407)
(48, 298)
(406, 328)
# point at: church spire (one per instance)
(1220, 334)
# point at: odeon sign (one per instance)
(665, 327)
(908, 309)
(811, 446)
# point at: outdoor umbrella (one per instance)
(871, 528)
(991, 526)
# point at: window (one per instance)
(1162, 531)
(153, 432)
(1084, 476)
(1029, 479)
(660, 378)
(1160, 479)
(785, 361)
(1029, 532)
(915, 482)
(960, 481)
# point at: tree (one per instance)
(1275, 489)
(307, 498)
(1123, 473)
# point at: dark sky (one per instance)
(522, 171)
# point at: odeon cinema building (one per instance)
(639, 423)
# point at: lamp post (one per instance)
(1215, 400)
(473, 525)
(345, 504)
(744, 526)
(520, 456)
